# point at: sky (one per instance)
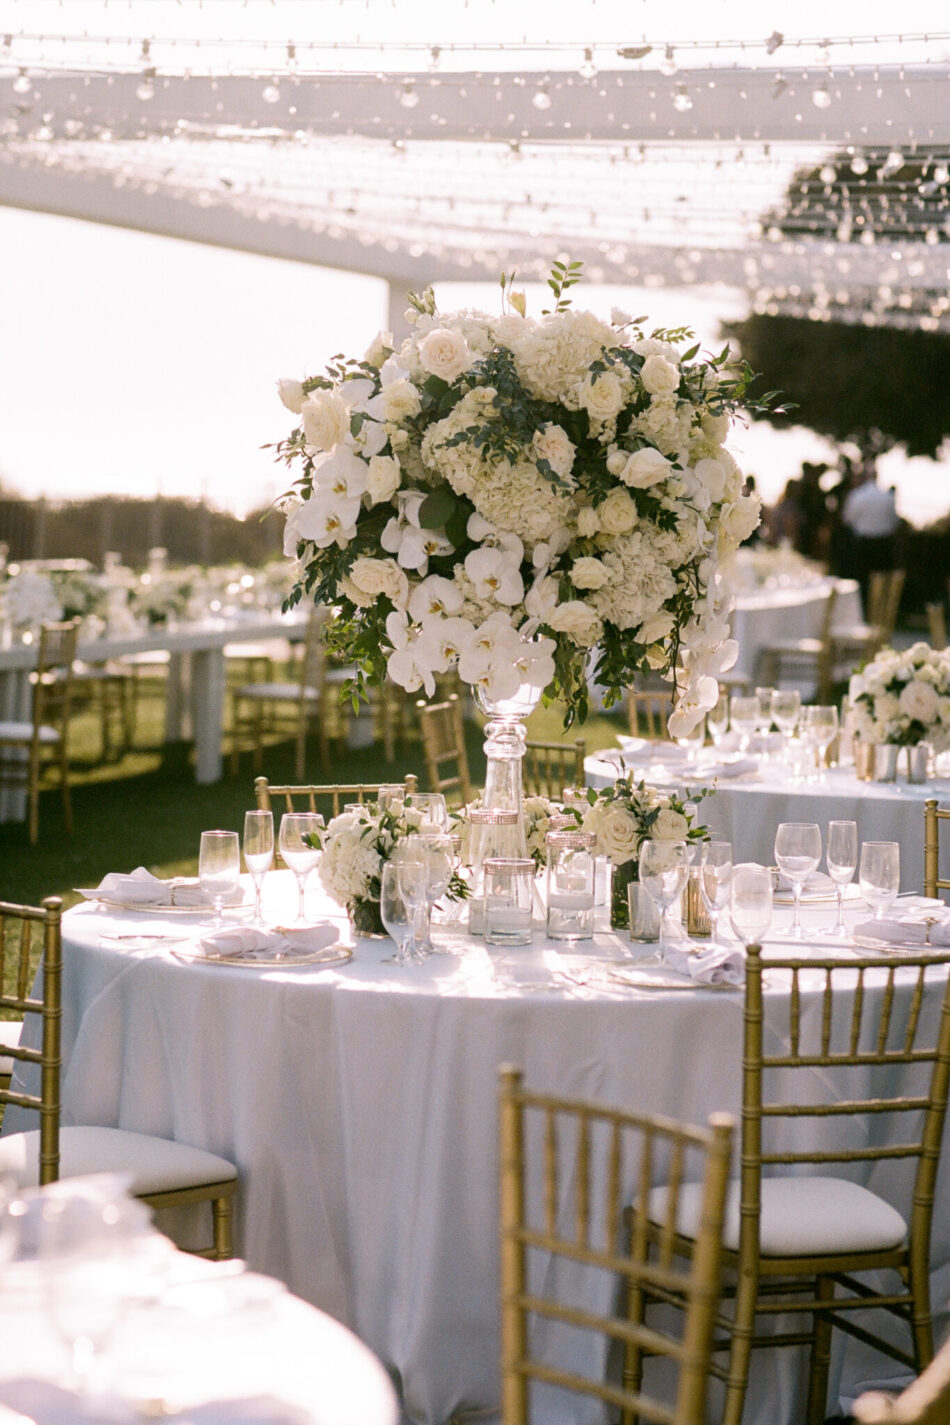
(137, 364)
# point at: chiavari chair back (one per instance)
(328, 798)
(565, 1168)
(934, 816)
(549, 766)
(853, 1080)
(161, 1172)
(649, 712)
(29, 749)
(443, 742)
(937, 626)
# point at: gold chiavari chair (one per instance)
(926, 1401)
(563, 1165)
(329, 799)
(28, 750)
(796, 1242)
(933, 816)
(161, 1172)
(443, 742)
(549, 766)
(937, 626)
(649, 712)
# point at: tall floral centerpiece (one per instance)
(517, 498)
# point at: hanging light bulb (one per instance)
(820, 97)
(859, 165)
(668, 65)
(634, 51)
(22, 84)
(408, 97)
(588, 69)
(145, 89)
(942, 173)
(682, 103)
(541, 99)
(271, 92)
(892, 164)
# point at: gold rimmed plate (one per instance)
(285, 958)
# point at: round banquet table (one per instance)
(198, 1341)
(358, 1101)
(770, 615)
(747, 810)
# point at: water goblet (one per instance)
(389, 793)
(841, 858)
(820, 724)
(219, 867)
(764, 699)
(715, 874)
(879, 874)
(744, 719)
(86, 1275)
(750, 901)
(786, 709)
(440, 854)
(664, 866)
(298, 831)
(412, 878)
(717, 719)
(258, 852)
(432, 809)
(797, 853)
(395, 914)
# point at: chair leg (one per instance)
(221, 1226)
(921, 1323)
(743, 1326)
(820, 1355)
(632, 1377)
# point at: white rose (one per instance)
(886, 707)
(374, 577)
(618, 513)
(588, 522)
(379, 349)
(918, 701)
(738, 520)
(382, 478)
(659, 376)
(715, 427)
(670, 825)
(618, 835)
(579, 621)
(713, 476)
(400, 400)
(588, 573)
(326, 419)
(445, 353)
(645, 467)
(602, 395)
(292, 394)
(552, 443)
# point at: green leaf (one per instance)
(437, 508)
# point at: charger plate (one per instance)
(266, 959)
(153, 909)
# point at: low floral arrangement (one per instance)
(762, 567)
(80, 594)
(903, 698)
(158, 597)
(356, 846)
(626, 814)
(29, 599)
(503, 495)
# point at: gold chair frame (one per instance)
(48, 1059)
(933, 816)
(572, 1195)
(648, 711)
(937, 626)
(443, 743)
(308, 797)
(806, 1284)
(42, 741)
(926, 1401)
(548, 767)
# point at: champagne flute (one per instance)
(440, 860)
(717, 719)
(412, 878)
(879, 875)
(395, 914)
(299, 854)
(786, 711)
(715, 874)
(258, 852)
(663, 869)
(764, 699)
(750, 901)
(797, 853)
(219, 867)
(841, 858)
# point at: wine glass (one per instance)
(797, 853)
(431, 807)
(440, 863)
(715, 873)
(395, 914)
(663, 869)
(841, 858)
(298, 829)
(744, 719)
(879, 875)
(786, 710)
(258, 852)
(820, 723)
(764, 699)
(412, 878)
(86, 1275)
(219, 867)
(750, 901)
(692, 742)
(717, 719)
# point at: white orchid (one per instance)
(435, 596)
(496, 575)
(404, 536)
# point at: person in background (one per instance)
(814, 531)
(869, 513)
(785, 517)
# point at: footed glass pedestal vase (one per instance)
(504, 751)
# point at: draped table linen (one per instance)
(792, 611)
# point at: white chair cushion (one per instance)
(275, 692)
(155, 1164)
(23, 732)
(10, 1030)
(800, 1217)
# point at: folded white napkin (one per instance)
(141, 888)
(734, 767)
(905, 932)
(244, 942)
(711, 965)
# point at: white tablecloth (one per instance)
(359, 1104)
(225, 1347)
(761, 619)
(747, 811)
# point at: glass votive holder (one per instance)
(644, 915)
(492, 832)
(509, 894)
(570, 885)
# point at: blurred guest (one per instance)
(813, 531)
(870, 515)
(785, 518)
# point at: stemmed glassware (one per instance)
(258, 852)
(715, 874)
(786, 710)
(432, 808)
(299, 855)
(664, 866)
(717, 719)
(744, 719)
(764, 723)
(440, 856)
(219, 867)
(820, 727)
(797, 853)
(86, 1275)
(692, 742)
(750, 903)
(841, 858)
(879, 874)
(412, 879)
(395, 914)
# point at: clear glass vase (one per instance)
(504, 751)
